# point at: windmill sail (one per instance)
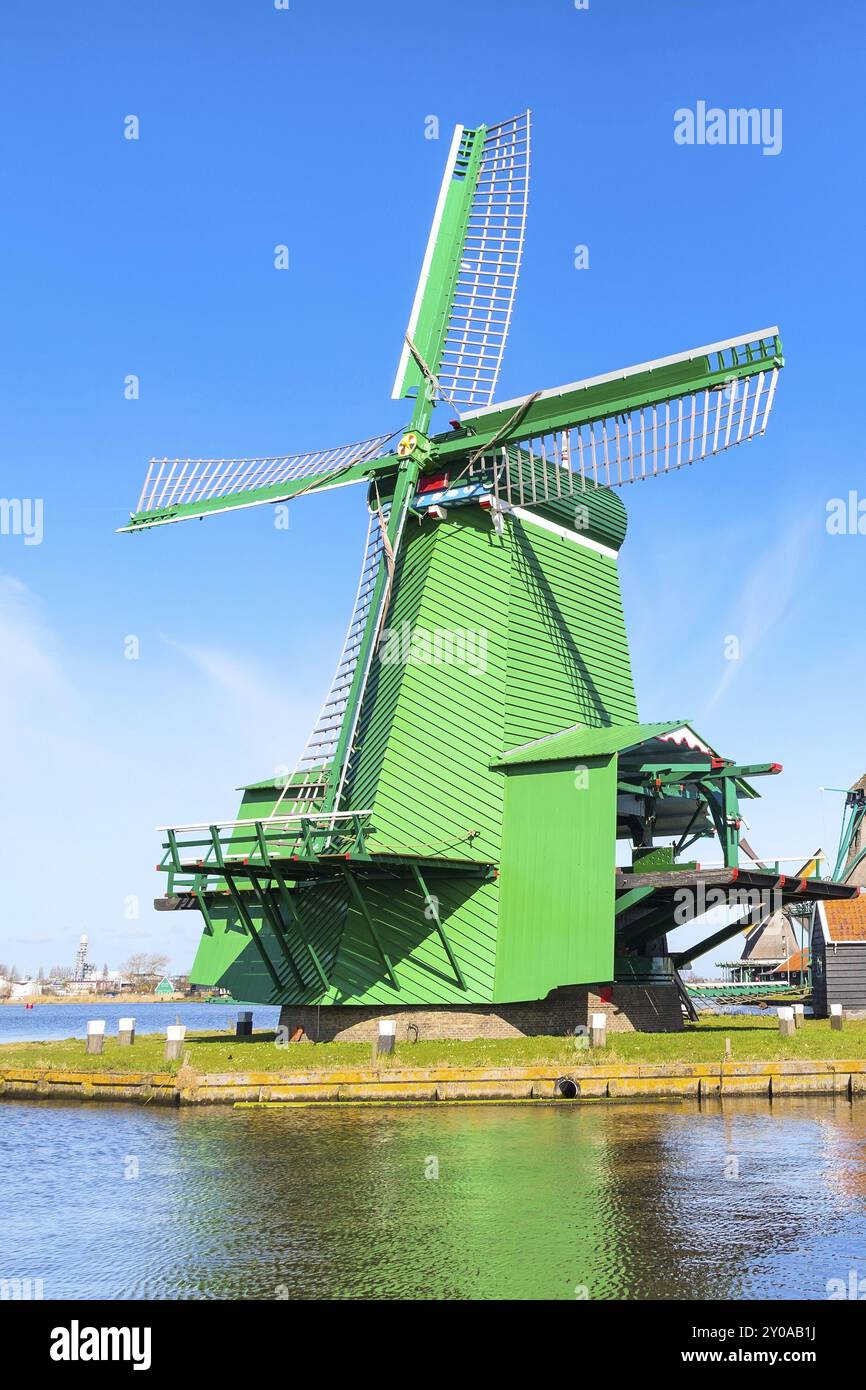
(307, 786)
(463, 305)
(626, 426)
(180, 489)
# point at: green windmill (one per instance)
(446, 847)
(850, 864)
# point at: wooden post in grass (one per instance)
(387, 1037)
(837, 1017)
(787, 1027)
(598, 1030)
(95, 1035)
(174, 1036)
(799, 1015)
(126, 1031)
(244, 1025)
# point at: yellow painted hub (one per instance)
(407, 445)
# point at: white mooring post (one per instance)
(126, 1031)
(787, 1027)
(799, 1015)
(95, 1035)
(174, 1036)
(387, 1036)
(244, 1025)
(598, 1030)
(837, 1017)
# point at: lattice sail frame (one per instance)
(188, 483)
(463, 307)
(483, 302)
(647, 440)
(306, 786)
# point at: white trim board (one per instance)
(530, 519)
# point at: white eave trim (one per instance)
(532, 519)
(822, 922)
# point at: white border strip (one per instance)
(629, 371)
(399, 380)
(530, 519)
(822, 922)
(263, 820)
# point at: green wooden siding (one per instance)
(555, 925)
(554, 654)
(568, 660)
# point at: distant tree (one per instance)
(105, 971)
(60, 972)
(40, 974)
(13, 972)
(147, 966)
(136, 964)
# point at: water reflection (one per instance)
(628, 1201)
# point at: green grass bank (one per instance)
(753, 1039)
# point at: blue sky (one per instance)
(306, 127)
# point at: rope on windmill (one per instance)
(430, 376)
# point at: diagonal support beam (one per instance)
(433, 909)
(749, 919)
(248, 922)
(273, 919)
(631, 899)
(203, 908)
(374, 931)
(288, 902)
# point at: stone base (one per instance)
(653, 1008)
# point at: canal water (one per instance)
(51, 1022)
(445, 1202)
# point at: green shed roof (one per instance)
(581, 742)
(278, 781)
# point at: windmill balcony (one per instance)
(193, 855)
(201, 859)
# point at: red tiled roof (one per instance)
(795, 963)
(846, 921)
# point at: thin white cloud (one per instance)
(765, 597)
(272, 727)
(29, 668)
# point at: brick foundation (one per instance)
(631, 1008)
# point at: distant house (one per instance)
(795, 969)
(25, 989)
(97, 982)
(839, 956)
(165, 986)
(767, 951)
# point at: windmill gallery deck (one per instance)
(466, 884)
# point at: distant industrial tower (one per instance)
(83, 968)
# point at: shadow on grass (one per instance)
(721, 1027)
(223, 1039)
